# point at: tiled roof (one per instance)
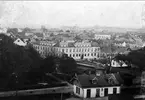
(86, 81)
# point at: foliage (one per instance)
(67, 65)
(23, 65)
(16, 60)
(135, 57)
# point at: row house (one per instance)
(98, 36)
(78, 50)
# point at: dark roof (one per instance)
(85, 81)
(119, 78)
(71, 45)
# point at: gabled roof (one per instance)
(86, 81)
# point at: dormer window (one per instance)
(94, 80)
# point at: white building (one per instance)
(86, 86)
(78, 50)
(44, 47)
(27, 34)
(98, 36)
(121, 44)
(20, 42)
(46, 35)
(118, 64)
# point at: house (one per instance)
(118, 64)
(92, 86)
(120, 44)
(20, 42)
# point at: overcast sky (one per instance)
(68, 13)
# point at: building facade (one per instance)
(44, 47)
(98, 36)
(78, 50)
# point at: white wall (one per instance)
(93, 91)
(81, 91)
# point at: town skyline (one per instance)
(123, 14)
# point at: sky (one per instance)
(125, 14)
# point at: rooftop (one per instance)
(86, 81)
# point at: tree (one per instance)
(67, 65)
(48, 64)
(134, 59)
(16, 60)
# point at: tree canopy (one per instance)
(24, 65)
(16, 60)
(133, 58)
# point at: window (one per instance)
(79, 54)
(66, 50)
(73, 55)
(77, 90)
(70, 55)
(88, 93)
(73, 50)
(106, 92)
(92, 54)
(88, 54)
(97, 92)
(70, 50)
(114, 90)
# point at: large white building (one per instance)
(44, 47)
(99, 36)
(78, 50)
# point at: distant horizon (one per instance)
(95, 26)
(55, 14)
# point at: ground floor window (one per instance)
(77, 90)
(114, 90)
(88, 93)
(106, 91)
(97, 92)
